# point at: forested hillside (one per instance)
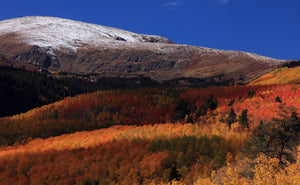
(215, 135)
(23, 90)
(103, 109)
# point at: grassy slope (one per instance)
(280, 76)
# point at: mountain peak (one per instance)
(78, 47)
(64, 33)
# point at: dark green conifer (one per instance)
(277, 139)
(278, 99)
(243, 119)
(231, 117)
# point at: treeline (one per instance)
(220, 80)
(23, 90)
(291, 64)
(114, 83)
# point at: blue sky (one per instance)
(266, 27)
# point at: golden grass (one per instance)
(280, 76)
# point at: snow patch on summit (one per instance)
(52, 33)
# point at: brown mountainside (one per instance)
(72, 46)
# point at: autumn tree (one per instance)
(210, 104)
(243, 119)
(250, 93)
(231, 117)
(278, 99)
(277, 139)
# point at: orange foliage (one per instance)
(262, 105)
(82, 156)
(86, 139)
(266, 171)
(114, 162)
(141, 107)
(72, 158)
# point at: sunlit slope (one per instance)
(122, 155)
(280, 76)
(104, 109)
(87, 139)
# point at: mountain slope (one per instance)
(156, 153)
(72, 46)
(103, 109)
(59, 33)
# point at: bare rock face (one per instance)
(72, 46)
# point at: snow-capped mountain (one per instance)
(73, 46)
(56, 33)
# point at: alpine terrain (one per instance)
(87, 104)
(71, 46)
